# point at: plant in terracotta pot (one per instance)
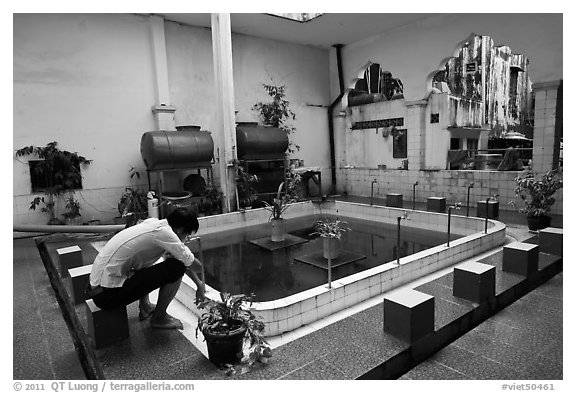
(56, 173)
(537, 193)
(226, 325)
(331, 231)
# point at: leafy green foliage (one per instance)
(60, 169)
(133, 201)
(277, 112)
(230, 313)
(330, 228)
(245, 183)
(537, 193)
(282, 200)
(72, 207)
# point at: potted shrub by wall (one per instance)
(213, 200)
(226, 325)
(537, 193)
(245, 185)
(277, 112)
(56, 172)
(72, 214)
(133, 206)
(331, 232)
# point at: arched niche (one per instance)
(372, 84)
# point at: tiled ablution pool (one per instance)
(379, 275)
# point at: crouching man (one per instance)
(125, 270)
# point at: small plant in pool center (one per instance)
(330, 228)
(226, 324)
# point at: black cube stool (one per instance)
(436, 204)
(394, 200)
(493, 207)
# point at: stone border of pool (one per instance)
(303, 308)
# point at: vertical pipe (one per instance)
(329, 263)
(414, 196)
(486, 220)
(468, 199)
(449, 214)
(398, 243)
(331, 110)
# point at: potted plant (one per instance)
(57, 172)
(133, 205)
(538, 196)
(245, 183)
(276, 208)
(277, 112)
(225, 325)
(213, 200)
(331, 232)
(73, 211)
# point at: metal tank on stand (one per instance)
(262, 152)
(183, 150)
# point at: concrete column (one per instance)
(226, 126)
(163, 112)
(547, 125)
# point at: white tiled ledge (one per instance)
(303, 308)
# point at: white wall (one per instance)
(303, 70)
(87, 81)
(84, 81)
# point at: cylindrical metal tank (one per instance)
(260, 142)
(163, 150)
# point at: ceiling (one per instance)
(323, 31)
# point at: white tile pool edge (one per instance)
(303, 308)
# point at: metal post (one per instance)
(471, 185)
(486, 220)
(329, 263)
(449, 214)
(414, 196)
(372, 192)
(398, 243)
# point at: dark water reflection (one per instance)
(233, 264)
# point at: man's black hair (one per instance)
(185, 219)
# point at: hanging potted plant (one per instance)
(57, 172)
(226, 325)
(331, 232)
(538, 196)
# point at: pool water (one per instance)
(234, 264)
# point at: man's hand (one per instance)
(200, 295)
